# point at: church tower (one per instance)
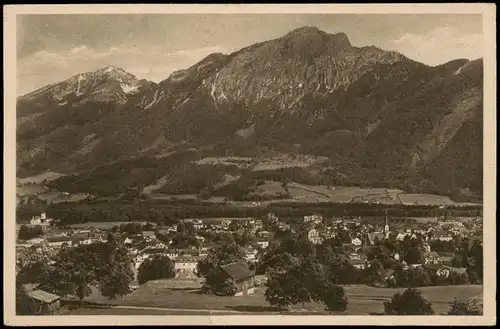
(386, 227)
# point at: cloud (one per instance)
(439, 46)
(152, 63)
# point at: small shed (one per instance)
(242, 276)
(45, 302)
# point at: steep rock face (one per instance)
(286, 69)
(275, 86)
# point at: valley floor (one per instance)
(363, 300)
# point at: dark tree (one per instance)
(157, 267)
(410, 302)
(334, 298)
(24, 305)
(466, 307)
(220, 255)
(476, 255)
(286, 287)
(27, 232)
(79, 268)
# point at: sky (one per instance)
(52, 48)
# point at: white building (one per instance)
(172, 254)
(316, 219)
(250, 254)
(186, 264)
(445, 238)
(36, 220)
(263, 244)
(225, 223)
(272, 218)
(85, 241)
(314, 236)
(356, 242)
(387, 230)
(40, 220)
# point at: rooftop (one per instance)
(237, 271)
(43, 296)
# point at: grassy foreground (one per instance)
(363, 300)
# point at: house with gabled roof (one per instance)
(242, 277)
(45, 303)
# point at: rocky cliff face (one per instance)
(375, 110)
(285, 70)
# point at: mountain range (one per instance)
(380, 117)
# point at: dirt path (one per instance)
(174, 309)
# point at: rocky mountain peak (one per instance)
(375, 113)
(311, 33)
(306, 30)
(115, 72)
(109, 84)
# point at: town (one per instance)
(250, 252)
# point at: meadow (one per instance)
(268, 189)
(288, 161)
(429, 199)
(363, 300)
(322, 193)
(241, 162)
(38, 179)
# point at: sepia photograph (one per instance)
(228, 164)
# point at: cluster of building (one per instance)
(359, 235)
(42, 220)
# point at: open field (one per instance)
(43, 193)
(269, 189)
(241, 162)
(227, 180)
(321, 193)
(38, 179)
(307, 195)
(429, 199)
(342, 194)
(159, 183)
(288, 161)
(159, 196)
(363, 300)
(23, 190)
(56, 197)
(138, 311)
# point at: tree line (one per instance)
(166, 212)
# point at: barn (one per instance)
(242, 276)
